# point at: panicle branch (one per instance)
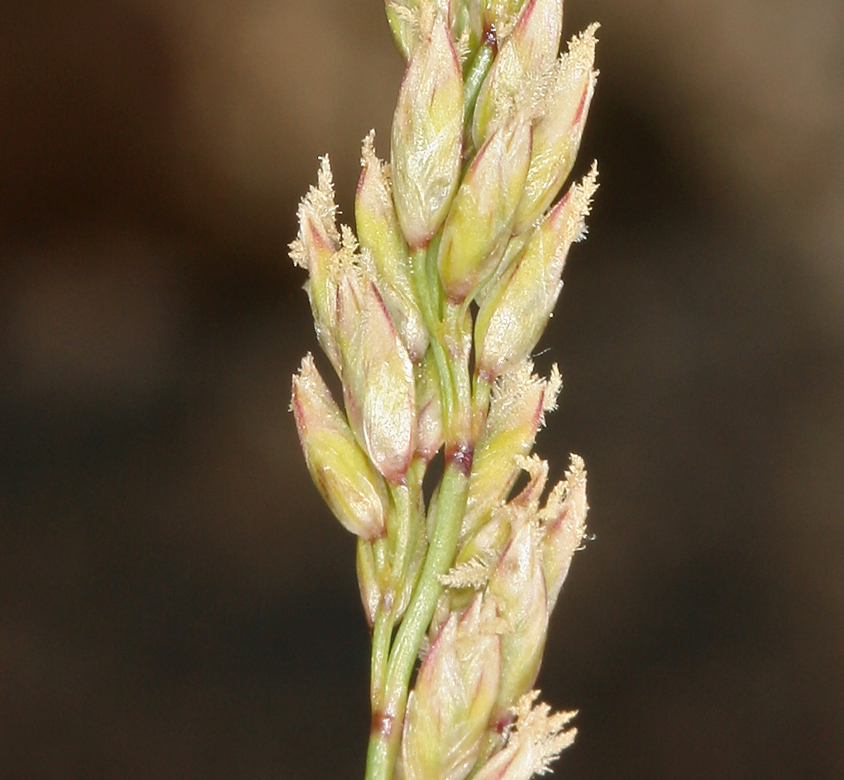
(429, 313)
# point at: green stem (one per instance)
(385, 737)
(417, 540)
(388, 717)
(457, 327)
(382, 633)
(383, 629)
(399, 533)
(471, 87)
(421, 262)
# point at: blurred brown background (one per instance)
(175, 602)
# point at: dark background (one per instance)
(175, 602)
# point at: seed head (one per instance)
(314, 250)
(526, 55)
(449, 708)
(518, 587)
(514, 314)
(380, 235)
(481, 217)
(377, 374)
(564, 521)
(536, 740)
(351, 487)
(519, 399)
(427, 135)
(557, 133)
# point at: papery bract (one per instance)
(518, 586)
(351, 487)
(427, 136)
(564, 522)
(379, 233)
(526, 55)
(557, 134)
(314, 249)
(519, 401)
(537, 739)
(514, 314)
(481, 216)
(377, 375)
(448, 711)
